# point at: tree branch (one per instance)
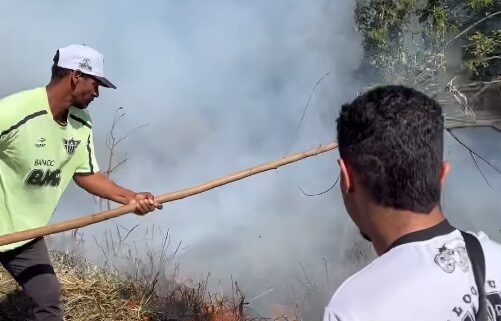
(473, 152)
(471, 27)
(479, 170)
(117, 165)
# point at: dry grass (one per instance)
(88, 293)
(139, 283)
(93, 293)
(135, 282)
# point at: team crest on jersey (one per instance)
(70, 145)
(452, 254)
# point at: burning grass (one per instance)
(138, 285)
(94, 293)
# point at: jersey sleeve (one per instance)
(88, 164)
(4, 127)
(8, 122)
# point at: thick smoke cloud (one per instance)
(222, 87)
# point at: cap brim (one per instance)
(105, 82)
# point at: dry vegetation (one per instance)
(143, 288)
(95, 293)
(135, 282)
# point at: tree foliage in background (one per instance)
(402, 38)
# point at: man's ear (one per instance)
(444, 171)
(346, 180)
(76, 74)
(75, 77)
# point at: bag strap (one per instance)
(477, 260)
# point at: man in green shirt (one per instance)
(45, 141)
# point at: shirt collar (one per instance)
(439, 229)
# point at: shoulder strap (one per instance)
(477, 260)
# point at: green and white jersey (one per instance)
(38, 158)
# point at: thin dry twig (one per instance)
(304, 113)
(472, 154)
(112, 142)
(327, 190)
(479, 170)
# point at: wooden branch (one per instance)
(169, 197)
(477, 83)
(472, 26)
(484, 59)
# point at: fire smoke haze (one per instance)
(222, 87)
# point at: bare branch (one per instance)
(330, 188)
(112, 141)
(472, 26)
(481, 91)
(479, 170)
(305, 274)
(473, 152)
(326, 270)
(460, 97)
(477, 83)
(123, 161)
(129, 132)
(487, 58)
(304, 113)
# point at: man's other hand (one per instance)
(145, 203)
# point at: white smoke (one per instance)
(222, 86)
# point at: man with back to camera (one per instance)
(45, 140)
(392, 173)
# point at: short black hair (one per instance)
(58, 72)
(392, 136)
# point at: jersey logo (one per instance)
(39, 177)
(70, 145)
(41, 142)
(451, 254)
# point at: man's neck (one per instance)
(390, 225)
(59, 102)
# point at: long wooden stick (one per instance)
(169, 197)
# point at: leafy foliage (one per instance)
(480, 4)
(402, 38)
(485, 54)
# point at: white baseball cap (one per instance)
(84, 58)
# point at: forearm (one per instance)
(115, 193)
(100, 185)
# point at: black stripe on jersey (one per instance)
(439, 229)
(90, 156)
(80, 120)
(23, 121)
(85, 173)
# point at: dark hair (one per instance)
(392, 136)
(58, 72)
